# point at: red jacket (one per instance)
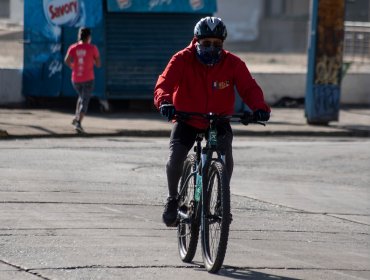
(192, 86)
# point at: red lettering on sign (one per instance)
(60, 11)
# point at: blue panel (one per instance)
(43, 23)
(325, 61)
(42, 58)
(311, 60)
(163, 6)
(325, 101)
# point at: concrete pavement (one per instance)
(90, 208)
(36, 123)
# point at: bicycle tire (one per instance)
(216, 218)
(188, 233)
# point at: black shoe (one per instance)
(78, 128)
(169, 216)
(74, 122)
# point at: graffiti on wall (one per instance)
(328, 70)
(329, 49)
(328, 59)
(326, 100)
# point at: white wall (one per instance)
(355, 88)
(16, 11)
(11, 86)
(241, 18)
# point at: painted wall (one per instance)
(43, 44)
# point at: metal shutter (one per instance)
(139, 46)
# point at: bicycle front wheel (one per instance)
(216, 217)
(188, 228)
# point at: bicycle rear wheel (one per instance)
(216, 218)
(188, 229)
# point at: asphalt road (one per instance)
(89, 208)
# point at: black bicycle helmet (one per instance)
(210, 27)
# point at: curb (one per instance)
(3, 133)
(166, 133)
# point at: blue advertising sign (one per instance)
(44, 21)
(163, 6)
(325, 61)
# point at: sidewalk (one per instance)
(36, 123)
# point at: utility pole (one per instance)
(325, 52)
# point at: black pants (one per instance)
(182, 140)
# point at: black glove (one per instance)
(247, 118)
(261, 115)
(167, 110)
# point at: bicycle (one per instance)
(204, 197)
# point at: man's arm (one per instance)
(68, 61)
(97, 60)
(168, 81)
(248, 89)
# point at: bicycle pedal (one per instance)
(182, 215)
(185, 221)
(183, 208)
(174, 224)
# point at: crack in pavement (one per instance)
(26, 270)
(81, 203)
(170, 229)
(297, 231)
(117, 267)
(293, 210)
(295, 268)
(195, 265)
(34, 271)
(144, 166)
(89, 228)
(300, 211)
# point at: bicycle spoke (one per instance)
(214, 219)
(215, 232)
(188, 228)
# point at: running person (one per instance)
(201, 78)
(81, 58)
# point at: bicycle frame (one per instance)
(204, 156)
(205, 201)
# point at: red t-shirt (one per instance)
(83, 56)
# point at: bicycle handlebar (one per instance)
(242, 118)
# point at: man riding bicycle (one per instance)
(201, 78)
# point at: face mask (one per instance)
(208, 55)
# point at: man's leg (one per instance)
(85, 96)
(181, 141)
(78, 89)
(175, 162)
(225, 139)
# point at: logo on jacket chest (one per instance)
(220, 84)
